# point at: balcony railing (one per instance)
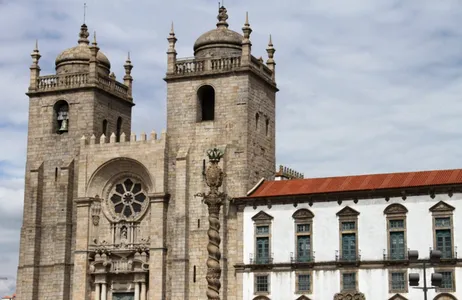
(301, 258)
(398, 257)
(347, 258)
(261, 259)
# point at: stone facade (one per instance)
(109, 215)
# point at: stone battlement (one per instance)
(288, 173)
(103, 140)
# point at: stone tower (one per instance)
(82, 98)
(223, 97)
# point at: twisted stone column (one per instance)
(214, 200)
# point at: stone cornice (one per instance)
(159, 197)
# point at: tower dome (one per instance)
(220, 41)
(77, 59)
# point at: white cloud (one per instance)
(367, 86)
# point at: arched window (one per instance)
(396, 227)
(61, 116)
(118, 129)
(267, 127)
(206, 98)
(257, 117)
(445, 296)
(105, 127)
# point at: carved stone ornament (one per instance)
(262, 216)
(303, 213)
(395, 209)
(442, 207)
(126, 199)
(95, 211)
(214, 200)
(303, 297)
(347, 212)
(349, 296)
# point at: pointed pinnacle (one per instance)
(36, 45)
(270, 41)
(94, 38)
(171, 30)
(246, 18)
(128, 57)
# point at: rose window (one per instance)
(128, 198)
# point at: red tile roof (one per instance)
(357, 183)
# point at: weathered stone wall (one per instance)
(238, 96)
(48, 232)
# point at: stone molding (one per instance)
(395, 209)
(262, 216)
(442, 207)
(303, 213)
(347, 212)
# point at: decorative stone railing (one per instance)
(75, 80)
(193, 66)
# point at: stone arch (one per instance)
(261, 298)
(206, 103)
(61, 116)
(116, 167)
(303, 297)
(395, 209)
(445, 296)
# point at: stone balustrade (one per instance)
(192, 66)
(76, 80)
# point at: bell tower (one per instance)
(224, 97)
(82, 99)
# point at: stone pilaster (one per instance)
(81, 286)
(157, 251)
(180, 257)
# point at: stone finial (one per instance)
(171, 41)
(83, 140)
(153, 136)
(246, 29)
(143, 136)
(270, 62)
(112, 138)
(34, 68)
(94, 39)
(222, 17)
(133, 137)
(128, 79)
(112, 76)
(83, 35)
(35, 55)
(123, 137)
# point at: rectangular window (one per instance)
(303, 248)
(262, 230)
(349, 246)
(444, 242)
(442, 222)
(396, 224)
(398, 282)
(261, 284)
(304, 283)
(397, 248)
(346, 226)
(263, 256)
(447, 282)
(349, 281)
(303, 228)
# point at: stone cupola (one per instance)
(77, 59)
(220, 41)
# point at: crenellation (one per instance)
(133, 137)
(112, 138)
(103, 139)
(143, 137)
(153, 136)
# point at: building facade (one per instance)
(112, 215)
(348, 237)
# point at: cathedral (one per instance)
(112, 215)
(198, 211)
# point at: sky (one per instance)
(365, 86)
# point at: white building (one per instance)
(328, 238)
